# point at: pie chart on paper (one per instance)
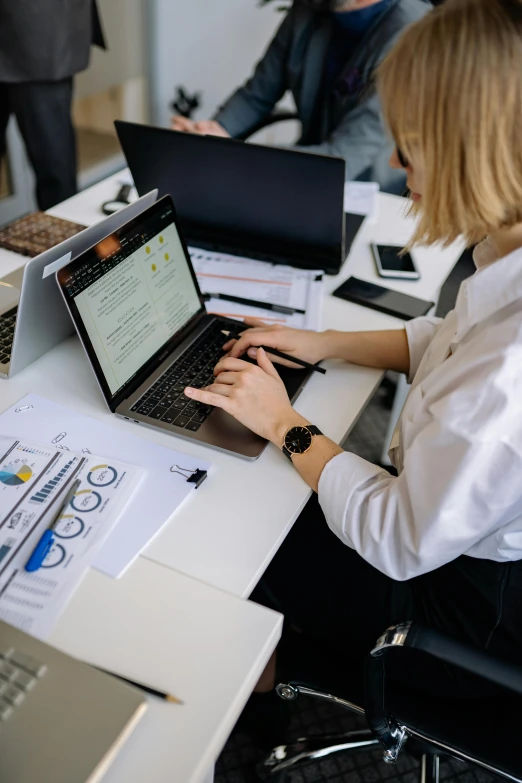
(15, 475)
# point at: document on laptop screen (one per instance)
(137, 305)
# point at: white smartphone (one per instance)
(390, 263)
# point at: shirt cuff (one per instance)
(419, 332)
(340, 479)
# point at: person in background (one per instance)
(441, 542)
(325, 52)
(42, 45)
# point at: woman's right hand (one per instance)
(307, 345)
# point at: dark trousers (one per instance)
(336, 605)
(43, 115)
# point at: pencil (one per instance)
(145, 688)
(293, 359)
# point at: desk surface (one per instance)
(227, 532)
(173, 633)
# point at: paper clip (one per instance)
(196, 477)
(24, 408)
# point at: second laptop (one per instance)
(136, 304)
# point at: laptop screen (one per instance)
(245, 199)
(132, 293)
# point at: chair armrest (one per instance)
(440, 646)
(445, 648)
(277, 115)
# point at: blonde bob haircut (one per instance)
(451, 90)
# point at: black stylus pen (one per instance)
(281, 355)
(145, 688)
(276, 308)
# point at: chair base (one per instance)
(285, 757)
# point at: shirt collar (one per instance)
(358, 21)
(489, 290)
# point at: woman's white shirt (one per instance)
(458, 443)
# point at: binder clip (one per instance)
(196, 477)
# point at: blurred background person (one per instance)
(325, 52)
(42, 45)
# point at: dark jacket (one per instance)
(345, 122)
(46, 40)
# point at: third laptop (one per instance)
(247, 200)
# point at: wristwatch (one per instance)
(299, 439)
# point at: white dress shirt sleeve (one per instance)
(460, 480)
(420, 332)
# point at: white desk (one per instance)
(227, 532)
(174, 633)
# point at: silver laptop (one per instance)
(60, 720)
(33, 318)
(140, 315)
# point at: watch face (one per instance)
(298, 440)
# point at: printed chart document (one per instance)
(160, 492)
(34, 480)
(272, 283)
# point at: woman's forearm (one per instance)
(384, 350)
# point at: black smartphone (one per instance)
(382, 299)
(390, 263)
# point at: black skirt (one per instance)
(336, 605)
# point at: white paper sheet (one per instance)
(362, 198)
(159, 494)
(34, 481)
(262, 282)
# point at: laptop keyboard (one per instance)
(19, 673)
(165, 400)
(7, 327)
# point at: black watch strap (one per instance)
(311, 428)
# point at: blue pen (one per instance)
(46, 541)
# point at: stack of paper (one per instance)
(163, 488)
(274, 284)
(34, 480)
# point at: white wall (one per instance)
(124, 59)
(207, 45)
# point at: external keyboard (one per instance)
(19, 674)
(165, 400)
(7, 327)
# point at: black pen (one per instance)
(145, 688)
(293, 359)
(276, 308)
(315, 367)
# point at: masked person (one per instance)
(325, 53)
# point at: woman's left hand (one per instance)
(253, 394)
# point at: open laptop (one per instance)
(60, 720)
(33, 318)
(248, 200)
(140, 315)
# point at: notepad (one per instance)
(262, 281)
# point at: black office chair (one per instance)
(276, 115)
(485, 732)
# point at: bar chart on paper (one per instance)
(50, 487)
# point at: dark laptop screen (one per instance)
(131, 294)
(244, 198)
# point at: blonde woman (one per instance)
(442, 541)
